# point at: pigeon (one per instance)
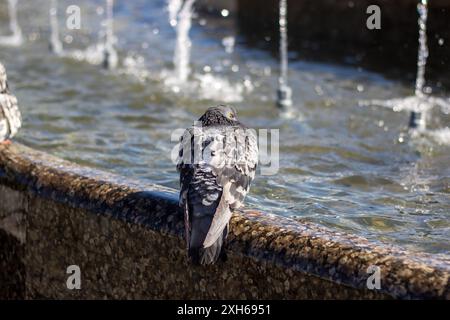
(10, 118)
(217, 162)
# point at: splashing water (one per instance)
(422, 8)
(100, 53)
(110, 59)
(420, 104)
(229, 43)
(432, 137)
(95, 53)
(211, 87)
(418, 116)
(183, 43)
(56, 45)
(16, 39)
(284, 92)
(173, 6)
(134, 65)
(205, 86)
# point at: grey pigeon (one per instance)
(10, 118)
(217, 163)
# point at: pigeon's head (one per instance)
(3, 82)
(220, 115)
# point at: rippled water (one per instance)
(342, 165)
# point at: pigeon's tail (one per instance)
(209, 255)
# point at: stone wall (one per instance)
(127, 239)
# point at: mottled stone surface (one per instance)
(127, 238)
(12, 268)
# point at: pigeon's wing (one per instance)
(11, 113)
(4, 127)
(216, 168)
(233, 157)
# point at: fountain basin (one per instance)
(127, 239)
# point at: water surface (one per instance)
(341, 165)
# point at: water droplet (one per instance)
(318, 89)
(248, 84)
(235, 68)
(360, 88)
(441, 41)
(68, 39)
(228, 43)
(176, 89)
(202, 22)
(225, 13)
(207, 69)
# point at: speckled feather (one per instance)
(215, 182)
(10, 118)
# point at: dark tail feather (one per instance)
(210, 255)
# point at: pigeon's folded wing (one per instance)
(10, 112)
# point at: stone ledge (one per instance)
(127, 237)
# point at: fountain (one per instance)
(110, 57)
(173, 6)
(16, 38)
(284, 92)
(55, 45)
(418, 117)
(204, 85)
(420, 103)
(102, 52)
(183, 43)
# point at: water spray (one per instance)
(417, 118)
(183, 42)
(16, 39)
(55, 44)
(284, 92)
(110, 59)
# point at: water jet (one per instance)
(183, 43)
(284, 92)
(110, 58)
(55, 44)
(16, 38)
(417, 118)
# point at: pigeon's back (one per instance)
(217, 165)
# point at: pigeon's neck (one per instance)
(217, 120)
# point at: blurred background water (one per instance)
(348, 167)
